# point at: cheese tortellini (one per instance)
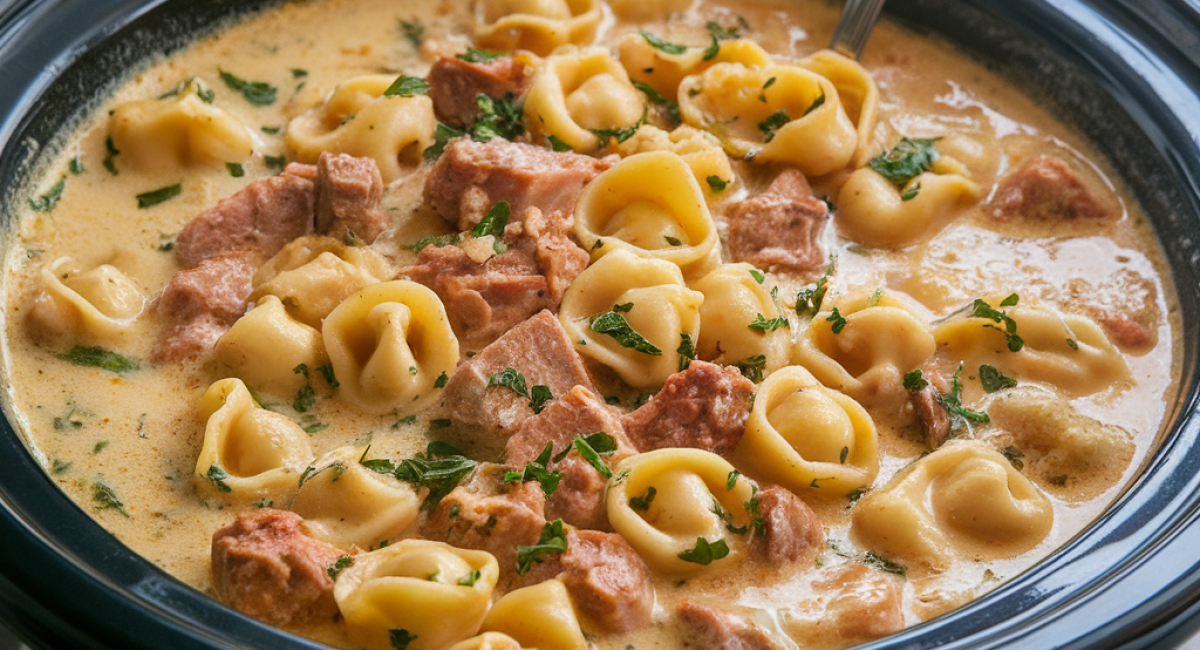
(864, 345)
(427, 594)
(264, 348)
(314, 274)
(576, 92)
(358, 119)
(631, 314)
(664, 71)
(100, 304)
(248, 452)
(388, 344)
(179, 131)
(535, 25)
(667, 219)
(808, 438)
(541, 616)
(699, 149)
(672, 504)
(346, 504)
(963, 500)
(856, 90)
(740, 319)
(1066, 351)
(777, 114)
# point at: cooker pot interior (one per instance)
(1121, 71)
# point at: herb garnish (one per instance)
(981, 309)
(217, 475)
(808, 301)
(153, 198)
(474, 55)
(704, 553)
(762, 324)
(441, 136)
(657, 99)
(883, 564)
(501, 118)
(716, 183)
(413, 31)
(994, 380)
(914, 381)
(342, 562)
(907, 160)
(470, 579)
(400, 639)
(536, 470)
(552, 540)
(686, 351)
(104, 497)
(620, 135)
(441, 380)
(539, 396)
(406, 86)
(493, 224)
(76, 166)
(46, 202)
(721, 33)
(511, 379)
(98, 357)
(773, 123)
(275, 162)
(659, 44)
(556, 144)
(953, 404)
(839, 321)
(752, 367)
(440, 469)
(437, 241)
(642, 503)
(235, 169)
(258, 93)
(615, 325)
(111, 152)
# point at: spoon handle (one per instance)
(853, 28)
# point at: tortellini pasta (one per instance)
(1069, 455)
(346, 504)
(313, 274)
(179, 131)
(388, 344)
(358, 119)
(100, 304)
(1068, 352)
(576, 92)
(663, 71)
(673, 504)
(963, 500)
(488, 641)
(740, 319)
(541, 616)
(631, 314)
(808, 438)
(777, 114)
(535, 25)
(248, 452)
(428, 594)
(865, 348)
(264, 348)
(856, 90)
(699, 149)
(668, 219)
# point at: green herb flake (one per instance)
(758, 276)
(752, 367)
(883, 564)
(305, 398)
(162, 194)
(59, 467)
(914, 381)
(298, 73)
(732, 479)
(539, 397)
(494, 221)
(583, 444)
(1014, 456)
(705, 553)
(47, 201)
(725, 34)
(76, 166)
(235, 169)
(716, 184)
(275, 162)
(439, 475)
(907, 160)
(856, 494)
(206, 94)
(994, 380)
(105, 498)
(642, 503)
(511, 379)
(553, 540)
(217, 475)
(773, 123)
(474, 55)
(615, 325)
(842, 457)
(437, 241)
(414, 31)
(470, 579)
(606, 136)
(764, 325)
(258, 93)
(952, 402)
(686, 351)
(111, 152)
(502, 118)
(406, 86)
(911, 193)
(556, 144)
(817, 103)
(664, 46)
(99, 358)
(657, 99)
(271, 130)
(981, 309)
(327, 372)
(440, 382)
(264, 503)
(400, 639)
(341, 563)
(711, 52)
(839, 321)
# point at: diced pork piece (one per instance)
(932, 415)
(547, 238)
(780, 227)
(704, 406)
(346, 197)
(579, 498)
(863, 604)
(263, 565)
(201, 304)
(471, 177)
(714, 628)
(1047, 189)
(488, 514)
(792, 532)
(454, 84)
(540, 352)
(608, 581)
(260, 219)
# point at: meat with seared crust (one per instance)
(263, 565)
(704, 407)
(454, 84)
(780, 227)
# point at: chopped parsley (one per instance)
(440, 382)
(914, 381)
(994, 380)
(306, 397)
(773, 123)
(438, 470)
(839, 321)
(400, 639)
(235, 169)
(817, 103)
(657, 99)
(406, 86)
(275, 162)
(98, 357)
(953, 404)
(494, 221)
(552, 541)
(716, 183)
(437, 241)
(604, 444)
(907, 160)
(162, 194)
(556, 144)
(76, 166)
(105, 498)
(764, 325)
(721, 33)
(752, 367)
(883, 564)
(298, 73)
(111, 152)
(620, 135)
(615, 325)
(758, 276)
(981, 309)
(327, 372)
(539, 396)
(47, 201)
(511, 379)
(910, 193)
(686, 351)
(217, 475)
(258, 93)
(470, 579)
(704, 553)
(336, 469)
(664, 46)
(732, 479)
(271, 130)
(642, 503)
(443, 134)
(711, 51)
(413, 31)
(474, 55)
(342, 562)
(1014, 456)
(501, 118)
(536, 470)
(808, 301)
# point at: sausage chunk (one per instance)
(792, 532)
(780, 227)
(704, 406)
(263, 565)
(201, 304)
(454, 84)
(716, 629)
(1047, 189)
(347, 195)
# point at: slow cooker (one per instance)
(1126, 72)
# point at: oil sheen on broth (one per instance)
(970, 236)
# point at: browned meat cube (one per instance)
(863, 604)
(201, 304)
(792, 532)
(471, 177)
(263, 565)
(607, 580)
(579, 498)
(454, 84)
(260, 219)
(704, 406)
(540, 352)
(347, 195)
(780, 227)
(1047, 189)
(716, 629)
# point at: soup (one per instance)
(386, 300)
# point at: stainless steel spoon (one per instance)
(853, 28)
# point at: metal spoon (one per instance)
(853, 28)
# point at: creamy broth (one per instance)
(139, 433)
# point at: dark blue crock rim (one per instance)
(1125, 70)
